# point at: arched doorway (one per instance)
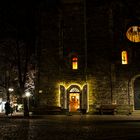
(74, 98)
(74, 102)
(137, 94)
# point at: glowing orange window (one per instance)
(74, 63)
(124, 57)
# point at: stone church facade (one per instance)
(87, 56)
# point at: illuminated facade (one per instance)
(84, 52)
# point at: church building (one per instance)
(89, 55)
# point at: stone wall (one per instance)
(91, 31)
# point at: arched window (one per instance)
(74, 63)
(124, 57)
(74, 90)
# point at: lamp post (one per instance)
(10, 90)
(28, 94)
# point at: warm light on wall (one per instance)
(124, 57)
(69, 84)
(133, 33)
(74, 63)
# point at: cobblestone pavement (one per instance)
(70, 127)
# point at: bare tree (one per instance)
(7, 64)
(17, 69)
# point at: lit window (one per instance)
(124, 57)
(74, 63)
(133, 33)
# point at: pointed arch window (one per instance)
(124, 57)
(74, 63)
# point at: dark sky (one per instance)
(21, 14)
(18, 19)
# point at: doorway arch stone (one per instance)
(131, 90)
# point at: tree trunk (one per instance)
(8, 95)
(26, 109)
(24, 102)
(22, 71)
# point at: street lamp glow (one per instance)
(27, 94)
(11, 89)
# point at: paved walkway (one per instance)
(67, 127)
(84, 117)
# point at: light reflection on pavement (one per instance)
(67, 128)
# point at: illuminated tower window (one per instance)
(74, 63)
(133, 33)
(124, 57)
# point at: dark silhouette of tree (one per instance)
(16, 68)
(7, 66)
(17, 20)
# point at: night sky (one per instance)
(21, 16)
